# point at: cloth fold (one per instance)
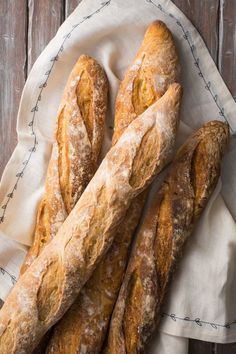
(200, 302)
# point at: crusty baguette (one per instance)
(78, 140)
(83, 328)
(53, 281)
(159, 244)
(154, 68)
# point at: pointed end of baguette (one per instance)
(158, 31)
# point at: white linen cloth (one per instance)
(201, 299)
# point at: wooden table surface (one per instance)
(27, 26)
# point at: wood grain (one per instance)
(226, 348)
(227, 43)
(12, 71)
(44, 19)
(204, 16)
(199, 347)
(70, 5)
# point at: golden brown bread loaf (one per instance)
(53, 281)
(83, 328)
(159, 244)
(154, 68)
(78, 140)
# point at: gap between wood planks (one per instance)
(39, 32)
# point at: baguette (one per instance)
(159, 244)
(83, 328)
(154, 68)
(53, 281)
(79, 135)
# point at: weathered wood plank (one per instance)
(199, 347)
(70, 5)
(204, 16)
(227, 43)
(44, 19)
(12, 71)
(226, 348)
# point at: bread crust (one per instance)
(53, 281)
(75, 152)
(83, 328)
(154, 68)
(159, 244)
